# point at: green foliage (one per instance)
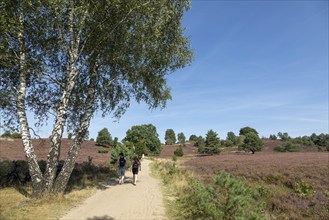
(227, 197)
(104, 138)
(252, 142)
(193, 138)
(103, 151)
(228, 143)
(181, 138)
(6, 134)
(304, 189)
(273, 137)
(70, 136)
(231, 139)
(149, 44)
(287, 147)
(124, 148)
(16, 135)
(170, 137)
(141, 148)
(144, 134)
(198, 201)
(238, 200)
(283, 136)
(212, 143)
(179, 151)
(200, 144)
(246, 130)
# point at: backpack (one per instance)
(135, 165)
(122, 162)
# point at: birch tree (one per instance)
(70, 59)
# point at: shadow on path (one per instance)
(105, 217)
(113, 182)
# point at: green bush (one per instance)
(179, 152)
(198, 201)
(103, 151)
(5, 168)
(287, 147)
(125, 148)
(304, 189)
(226, 197)
(16, 135)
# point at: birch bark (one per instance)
(34, 169)
(63, 177)
(57, 133)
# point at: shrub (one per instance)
(238, 201)
(6, 134)
(103, 151)
(179, 152)
(198, 201)
(287, 147)
(273, 137)
(16, 135)
(226, 197)
(304, 189)
(125, 148)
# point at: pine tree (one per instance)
(212, 143)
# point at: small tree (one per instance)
(170, 137)
(104, 138)
(252, 142)
(273, 137)
(6, 134)
(212, 143)
(179, 151)
(232, 138)
(126, 149)
(70, 136)
(146, 133)
(246, 130)
(193, 138)
(16, 135)
(200, 144)
(283, 136)
(181, 138)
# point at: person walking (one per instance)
(136, 166)
(121, 168)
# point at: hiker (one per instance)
(121, 168)
(135, 167)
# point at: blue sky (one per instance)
(262, 64)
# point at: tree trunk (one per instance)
(34, 169)
(57, 133)
(63, 177)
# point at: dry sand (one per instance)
(126, 201)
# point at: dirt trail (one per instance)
(126, 201)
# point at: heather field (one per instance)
(295, 185)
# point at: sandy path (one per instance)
(126, 201)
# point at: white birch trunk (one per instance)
(62, 179)
(57, 133)
(34, 169)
